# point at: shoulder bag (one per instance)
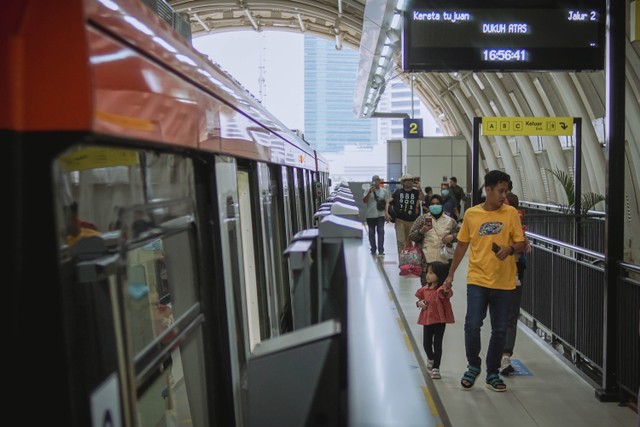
(380, 203)
(446, 249)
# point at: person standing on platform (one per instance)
(428, 192)
(77, 227)
(435, 312)
(406, 202)
(516, 297)
(494, 232)
(431, 231)
(449, 202)
(375, 200)
(457, 192)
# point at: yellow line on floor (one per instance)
(431, 404)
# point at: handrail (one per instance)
(577, 249)
(631, 267)
(550, 207)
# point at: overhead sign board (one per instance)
(504, 35)
(412, 128)
(527, 126)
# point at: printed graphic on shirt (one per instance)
(407, 202)
(489, 228)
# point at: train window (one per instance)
(127, 233)
(161, 279)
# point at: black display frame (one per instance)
(551, 42)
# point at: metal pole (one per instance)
(475, 161)
(577, 182)
(412, 113)
(614, 231)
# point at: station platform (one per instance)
(544, 391)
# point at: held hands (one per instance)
(448, 283)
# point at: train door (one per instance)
(280, 242)
(308, 196)
(298, 224)
(133, 318)
(269, 239)
(300, 191)
(251, 288)
(228, 185)
(285, 188)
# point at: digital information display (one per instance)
(504, 35)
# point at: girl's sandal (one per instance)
(495, 383)
(469, 377)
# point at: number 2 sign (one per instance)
(412, 128)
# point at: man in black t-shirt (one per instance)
(457, 192)
(407, 202)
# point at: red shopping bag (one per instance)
(410, 259)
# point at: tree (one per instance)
(589, 200)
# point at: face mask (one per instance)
(435, 209)
(445, 192)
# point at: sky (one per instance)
(281, 53)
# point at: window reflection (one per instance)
(133, 210)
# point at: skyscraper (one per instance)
(329, 84)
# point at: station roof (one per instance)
(452, 98)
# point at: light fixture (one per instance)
(338, 41)
(395, 21)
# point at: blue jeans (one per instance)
(498, 302)
(376, 226)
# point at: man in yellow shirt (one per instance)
(78, 228)
(493, 231)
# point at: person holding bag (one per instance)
(375, 200)
(435, 232)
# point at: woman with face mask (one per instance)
(433, 229)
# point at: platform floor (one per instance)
(547, 392)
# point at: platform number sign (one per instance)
(412, 128)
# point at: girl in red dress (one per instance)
(435, 312)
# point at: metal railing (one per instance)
(166, 12)
(586, 230)
(563, 300)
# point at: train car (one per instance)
(151, 198)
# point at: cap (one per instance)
(406, 177)
(375, 178)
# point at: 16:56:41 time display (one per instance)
(504, 55)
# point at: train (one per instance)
(151, 198)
